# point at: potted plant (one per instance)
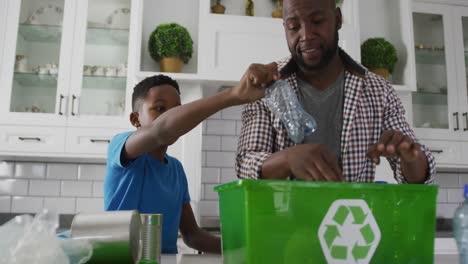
(278, 12)
(171, 45)
(379, 56)
(218, 8)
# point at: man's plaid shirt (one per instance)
(370, 107)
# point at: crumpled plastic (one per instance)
(26, 240)
(283, 102)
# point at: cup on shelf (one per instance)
(53, 69)
(87, 70)
(121, 70)
(97, 71)
(110, 71)
(21, 63)
(41, 69)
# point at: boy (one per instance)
(140, 175)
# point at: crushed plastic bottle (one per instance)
(460, 227)
(283, 102)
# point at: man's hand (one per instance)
(313, 162)
(252, 85)
(394, 143)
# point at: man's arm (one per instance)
(410, 161)
(194, 236)
(168, 127)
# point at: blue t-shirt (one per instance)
(147, 185)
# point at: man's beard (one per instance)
(326, 58)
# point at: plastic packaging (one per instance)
(25, 240)
(283, 102)
(460, 228)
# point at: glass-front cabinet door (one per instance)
(33, 77)
(461, 42)
(434, 104)
(99, 77)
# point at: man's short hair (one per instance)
(141, 89)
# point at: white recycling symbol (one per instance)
(349, 233)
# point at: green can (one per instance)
(269, 221)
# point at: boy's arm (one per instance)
(194, 236)
(168, 127)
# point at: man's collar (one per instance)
(350, 65)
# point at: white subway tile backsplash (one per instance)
(238, 127)
(447, 180)
(95, 172)
(228, 175)
(5, 204)
(98, 189)
(89, 205)
(463, 179)
(209, 208)
(13, 187)
(220, 159)
(27, 204)
(211, 143)
(60, 205)
(221, 127)
(234, 113)
(216, 115)
(210, 175)
(210, 194)
(442, 196)
(229, 143)
(30, 170)
(77, 188)
(446, 210)
(44, 188)
(6, 169)
(209, 221)
(455, 195)
(62, 171)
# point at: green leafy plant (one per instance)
(170, 40)
(378, 53)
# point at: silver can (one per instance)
(115, 235)
(151, 236)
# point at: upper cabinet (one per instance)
(63, 70)
(440, 103)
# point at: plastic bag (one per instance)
(283, 102)
(28, 240)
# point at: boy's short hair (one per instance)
(141, 89)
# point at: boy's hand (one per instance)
(253, 82)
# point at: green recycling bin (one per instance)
(297, 222)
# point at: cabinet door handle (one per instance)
(99, 140)
(466, 121)
(456, 121)
(30, 139)
(437, 151)
(73, 105)
(60, 104)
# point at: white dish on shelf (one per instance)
(119, 18)
(46, 15)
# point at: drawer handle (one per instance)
(457, 122)
(437, 151)
(30, 139)
(60, 104)
(100, 140)
(466, 121)
(73, 105)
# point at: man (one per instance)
(359, 116)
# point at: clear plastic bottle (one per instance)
(460, 228)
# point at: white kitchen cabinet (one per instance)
(440, 103)
(64, 67)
